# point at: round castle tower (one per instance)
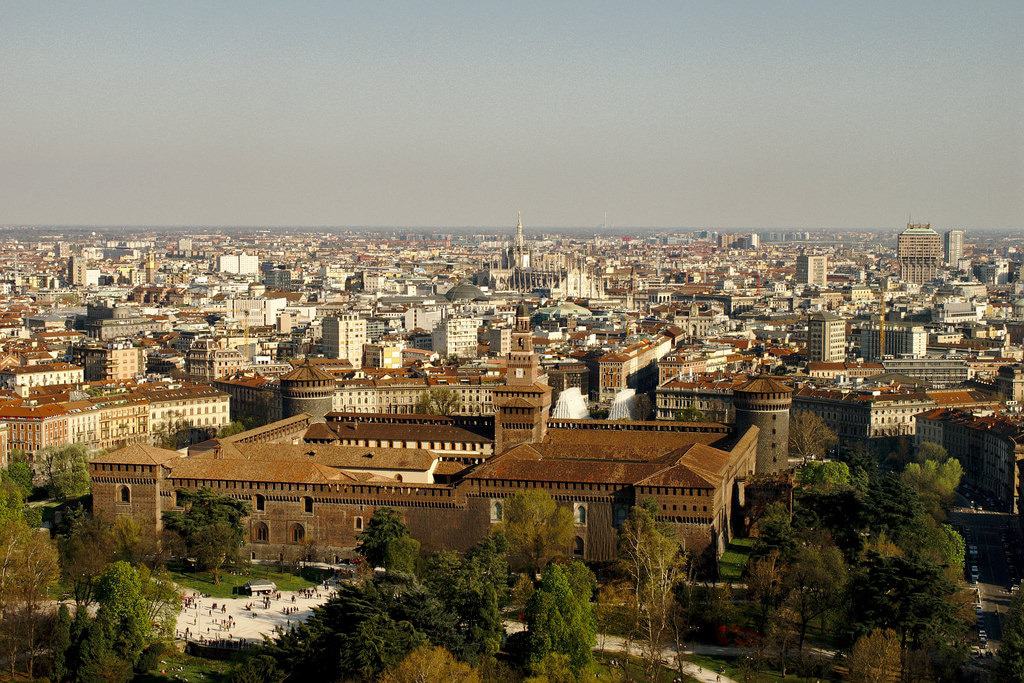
(307, 389)
(765, 403)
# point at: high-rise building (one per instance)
(77, 266)
(900, 341)
(919, 253)
(953, 241)
(456, 337)
(812, 270)
(826, 338)
(343, 337)
(238, 264)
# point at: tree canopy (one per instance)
(211, 527)
(386, 542)
(537, 527)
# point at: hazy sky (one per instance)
(710, 113)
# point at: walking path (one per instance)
(618, 645)
(236, 622)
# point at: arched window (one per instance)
(497, 510)
(398, 478)
(126, 494)
(581, 514)
(578, 547)
(307, 505)
(357, 523)
(261, 503)
(260, 533)
(298, 533)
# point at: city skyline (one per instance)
(798, 116)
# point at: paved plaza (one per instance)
(246, 619)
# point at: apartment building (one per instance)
(117, 360)
(826, 338)
(990, 448)
(456, 337)
(343, 337)
(44, 374)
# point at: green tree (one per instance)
(439, 401)
(386, 542)
(474, 590)
(912, 596)
(560, 617)
(86, 548)
(929, 450)
(28, 571)
(826, 475)
(935, 484)
(162, 600)
(258, 668)
(650, 555)
(211, 527)
(426, 664)
(19, 471)
(123, 612)
(231, 429)
(65, 471)
(875, 658)
(61, 643)
(1010, 663)
(809, 436)
(537, 527)
(775, 532)
(690, 414)
(815, 582)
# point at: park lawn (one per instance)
(229, 581)
(182, 667)
(734, 559)
(730, 666)
(604, 672)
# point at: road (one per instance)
(997, 537)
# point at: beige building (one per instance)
(117, 360)
(42, 375)
(919, 253)
(208, 360)
(826, 338)
(456, 337)
(812, 270)
(990, 448)
(343, 337)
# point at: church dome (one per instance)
(464, 291)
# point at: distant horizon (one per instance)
(492, 228)
(455, 114)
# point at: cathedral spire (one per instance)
(520, 240)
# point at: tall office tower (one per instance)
(954, 244)
(77, 266)
(812, 270)
(919, 253)
(343, 337)
(826, 338)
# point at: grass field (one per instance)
(733, 668)
(604, 672)
(181, 667)
(734, 559)
(203, 581)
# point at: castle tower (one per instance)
(764, 402)
(522, 405)
(307, 389)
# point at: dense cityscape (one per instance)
(511, 342)
(771, 447)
